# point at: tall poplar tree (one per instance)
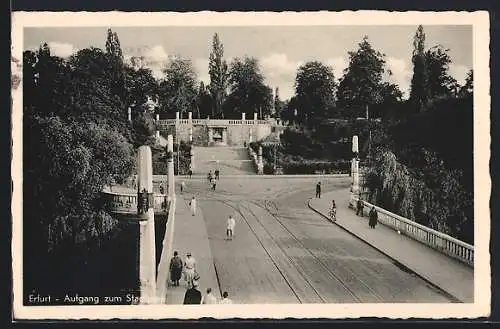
(218, 71)
(418, 93)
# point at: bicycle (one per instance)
(333, 214)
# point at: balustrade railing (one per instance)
(446, 244)
(171, 122)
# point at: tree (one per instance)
(440, 83)
(178, 91)
(315, 91)
(115, 58)
(361, 84)
(419, 93)
(248, 93)
(218, 71)
(467, 90)
(141, 87)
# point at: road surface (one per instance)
(283, 252)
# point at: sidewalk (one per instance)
(190, 235)
(450, 275)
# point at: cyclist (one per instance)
(333, 211)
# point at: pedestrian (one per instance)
(225, 298)
(189, 269)
(190, 173)
(176, 268)
(231, 223)
(192, 204)
(162, 189)
(373, 218)
(209, 176)
(318, 190)
(214, 184)
(359, 207)
(210, 298)
(183, 186)
(193, 295)
(217, 172)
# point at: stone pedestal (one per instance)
(224, 136)
(177, 116)
(255, 117)
(129, 114)
(147, 247)
(190, 134)
(157, 117)
(190, 118)
(157, 134)
(210, 136)
(170, 167)
(243, 117)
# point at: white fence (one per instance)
(432, 238)
(210, 122)
(125, 203)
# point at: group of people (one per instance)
(178, 267)
(213, 178)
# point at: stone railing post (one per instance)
(243, 117)
(191, 154)
(145, 212)
(260, 164)
(190, 134)
(190, 118)
(254, 118)
(129, 114)
(170, 167)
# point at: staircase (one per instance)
(232, 160)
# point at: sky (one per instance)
(279, 49)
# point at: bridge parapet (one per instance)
(126, 203)
(444, 243)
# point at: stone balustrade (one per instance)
(444, 243)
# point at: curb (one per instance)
(421, 276)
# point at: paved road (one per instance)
(285, 253)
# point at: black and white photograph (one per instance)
(301, 165)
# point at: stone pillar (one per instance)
(192, 159)
(243, 117)
(190, 134)
(190, 117)
(170, 167)
(147, 247)
(129, 114)
(255, 117)
(157, 117)
(177, 117)
(260, 164)
(157, 134)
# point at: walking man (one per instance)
(373, 218)
(217, 172)
(192, 204)
(231, 223)
(210, 298)
(190, 173)
(214, 183)
(183, 186)
(162, 189)
(318, 190)
(176, 269)
(193, 295)
(189, 269)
